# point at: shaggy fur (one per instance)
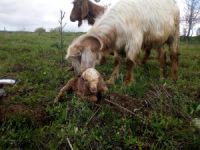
(87, 10)
(127, 28)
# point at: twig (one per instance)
(92, 116)
(70, 145)
(125, 109)
(137, 109)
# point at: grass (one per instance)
(29, 120)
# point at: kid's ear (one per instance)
(102, 87)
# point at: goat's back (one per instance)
(153, 21)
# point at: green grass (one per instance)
(163, 122)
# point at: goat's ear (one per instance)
(73, 51)
(93, 43)
(102, 85)
(84, 9)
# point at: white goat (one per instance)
(128, 27)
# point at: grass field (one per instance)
(161, 113)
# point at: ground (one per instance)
(152, 113)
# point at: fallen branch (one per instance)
(70, 145)
(125, 109)
(92, 117)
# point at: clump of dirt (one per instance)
(18, 68)
(125, 101)
(37, 114)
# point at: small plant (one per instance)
(61, 28)
(40, 30)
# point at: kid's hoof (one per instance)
(55, 100)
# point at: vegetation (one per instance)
(160, 113)
(40, 30)
(55, 30)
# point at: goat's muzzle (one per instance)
(72, 18)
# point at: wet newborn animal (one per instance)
(87, 86)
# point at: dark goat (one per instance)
(85, 10)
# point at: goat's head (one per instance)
(95, 81)
(79, 11)
(84, 52)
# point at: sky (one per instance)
(30, 14)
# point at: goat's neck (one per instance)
(95, 10)
(107, 37)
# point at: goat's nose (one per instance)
(72, 18)
(93, 90)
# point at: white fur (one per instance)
(91, 75)
(138, 22)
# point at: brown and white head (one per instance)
(95, 81)
(84, 52)
(79, 11)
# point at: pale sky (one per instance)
(30, 14)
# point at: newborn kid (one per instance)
(87, 86)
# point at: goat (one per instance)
(90, 85)
(127, 28)
(85, 10)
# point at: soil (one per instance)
(18, 68)
(37, 113)
(123, 104)
(125, 101)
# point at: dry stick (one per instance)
(70, 145)
(92, 116)
(125, 109)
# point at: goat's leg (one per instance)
(174, 65)
(115, 73)
(162, 60)
(174, 53)
(146, 55)
(129, 72)
(67, 87)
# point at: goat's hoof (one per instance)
(55, 100)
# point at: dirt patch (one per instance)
(157, 99)
(123, 102)
(37, 114)
(18, 68)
